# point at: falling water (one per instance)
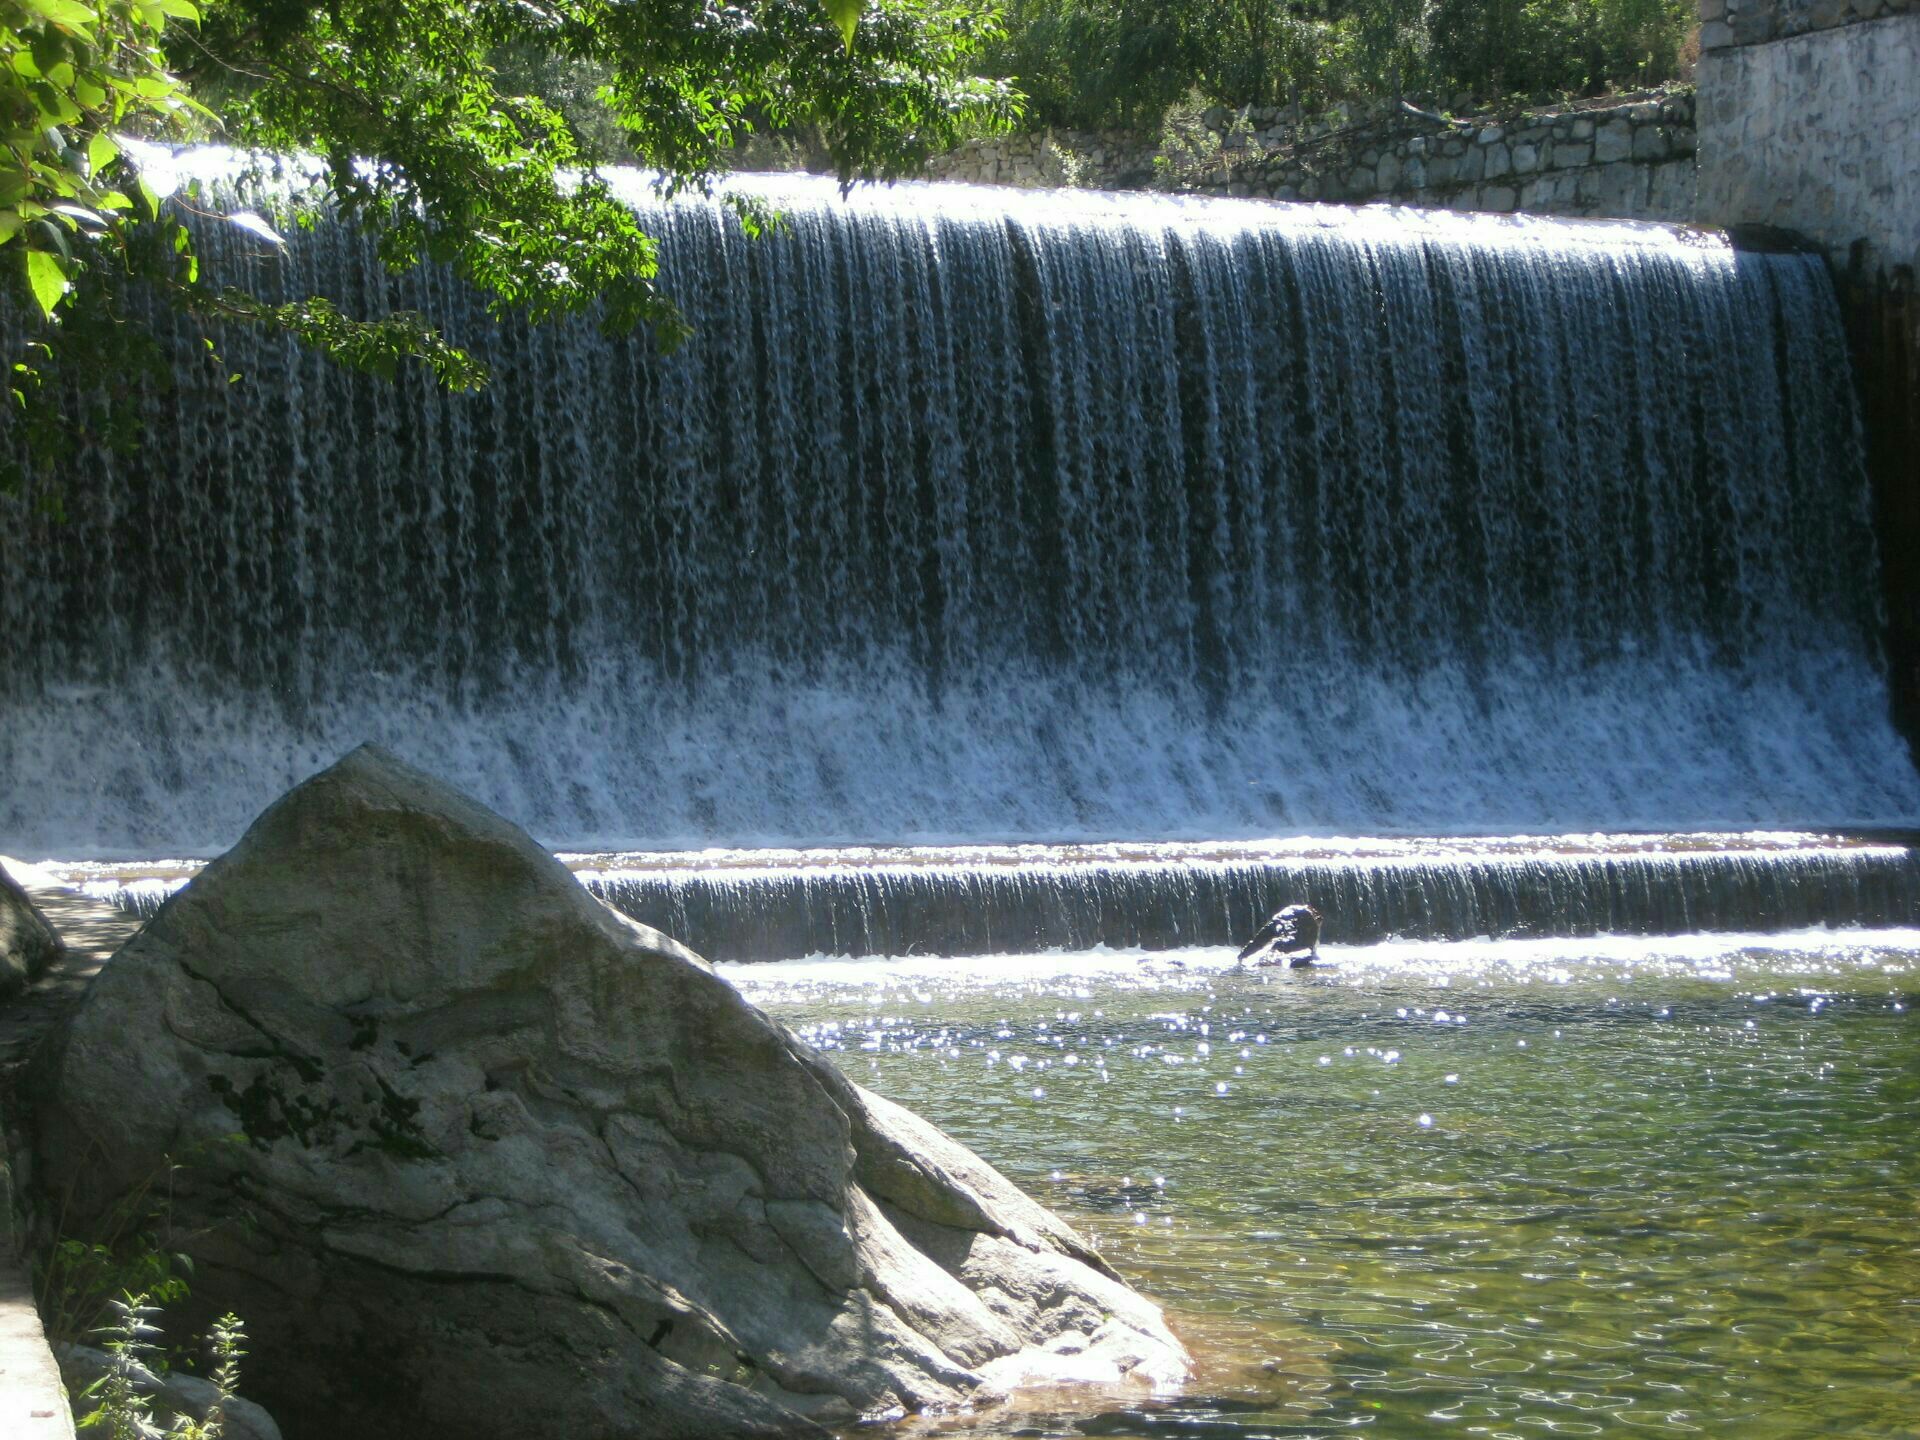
(971, 516)
(787, 912)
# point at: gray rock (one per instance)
(1613, 141)
(28, 944)
(472, 1155)
(173, 1393)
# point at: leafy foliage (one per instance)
(120, 1404)
(77, 1279)
(1121, 62)
(424, 137)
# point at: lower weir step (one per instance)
(970, 900)
(988, 908)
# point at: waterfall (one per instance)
(786, 913)
(971, 515)
(976, 900)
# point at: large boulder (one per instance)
(472, 1155)
(28, 944)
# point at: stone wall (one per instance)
(1725, 23)
(1631, 157)
(1818, 133)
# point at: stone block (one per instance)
(1526, 159)
(1715, 35)
(1613, 141)
(1470, 166)
(1571, 154)
(1650, 143)
(1491, 135)
(1581, 129)
(1671, 191)
(1712, 10)
(1499, 161)
(1498, 197)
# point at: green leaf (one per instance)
(101, 152)
(845, 14)
(47, 277)
(65, 12)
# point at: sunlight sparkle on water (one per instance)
(1639, 1206)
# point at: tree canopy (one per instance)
(1123, 62)
(427, 135)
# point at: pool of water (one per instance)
(1498, 1189)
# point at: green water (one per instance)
(1515, 1191)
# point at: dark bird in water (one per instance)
(1293, 932)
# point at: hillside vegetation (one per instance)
(1094, 63)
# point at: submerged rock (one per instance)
(503, 1162)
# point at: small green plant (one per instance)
(129, 1253)
(121, 1407)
